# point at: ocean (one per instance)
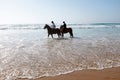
(27, 52)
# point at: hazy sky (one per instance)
(71, 11)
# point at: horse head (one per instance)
(61, 28)
(46, 26)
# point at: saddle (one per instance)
(64, 30)
(54, 30)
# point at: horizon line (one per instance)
(58, 23)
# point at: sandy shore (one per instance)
(105, 74)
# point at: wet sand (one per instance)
(105, 74)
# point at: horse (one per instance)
(66, 30)
(52, 31)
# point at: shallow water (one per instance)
(30, 54)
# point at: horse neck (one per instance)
(48, 28)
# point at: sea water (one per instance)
(27, 52)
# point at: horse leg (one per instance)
(51, 35)
(70, 34)
(62, 34)
(59, 35)
(48, 35)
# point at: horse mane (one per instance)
(61, 26)
(47, 25)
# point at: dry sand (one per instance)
(105, 74)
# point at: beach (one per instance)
(105, 74)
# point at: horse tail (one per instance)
(71, 32)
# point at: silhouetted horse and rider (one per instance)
(63, 29)
(52, 31)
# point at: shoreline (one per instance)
(104, 74)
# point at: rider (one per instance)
(53, 26)
(64, 26)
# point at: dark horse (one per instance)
(66, 30)
(52, 31)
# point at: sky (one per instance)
(71, 11)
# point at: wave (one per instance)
(95, 25)
(40, 26)
(21, 26)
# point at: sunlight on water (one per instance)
(30, 54)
